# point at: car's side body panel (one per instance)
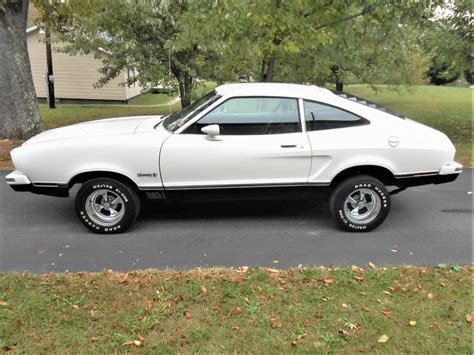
(192, 160)
(134, 156)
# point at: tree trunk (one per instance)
(337, 78)
(185, 84)
(19, 114)
(269, 72)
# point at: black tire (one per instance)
(376, 208)
(93, 217)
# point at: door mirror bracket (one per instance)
(213, 132)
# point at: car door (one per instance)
(261, 143)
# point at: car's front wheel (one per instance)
(107, 205)
(360, 204)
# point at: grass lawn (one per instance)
(152, 99)
(317, 310)
(448, 109)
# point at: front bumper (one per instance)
(20, 182)
(17, 178)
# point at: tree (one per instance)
(19, 115)
(139, 35)
(449, 42)
(309, 41)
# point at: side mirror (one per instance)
(212, 132)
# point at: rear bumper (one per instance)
(20, 182)
(447, 173)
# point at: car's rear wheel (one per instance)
(107, 205)
(360, 204)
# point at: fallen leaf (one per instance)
(133, 342)
(276, 323)
(328, 280)
(469, 318)
(430, 296)
(351, 326)
(356, 268)
(301, 336)
(203, 291)
(359, 278)
(343, 332)
(243, 269)
(234, 279)
(387, 313)
(383, 339)
(187, 314)
(148, 306)
(412, 323)
(372, 265)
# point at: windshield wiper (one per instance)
(162, 119)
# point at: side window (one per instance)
(319, 116)
(252, 116)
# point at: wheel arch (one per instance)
(88, 175)
(380, 172)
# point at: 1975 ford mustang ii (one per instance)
(239, 141)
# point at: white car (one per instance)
(240, 140)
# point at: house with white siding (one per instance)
(74, 75)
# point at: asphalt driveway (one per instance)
(427, 225)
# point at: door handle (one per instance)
(288, 146)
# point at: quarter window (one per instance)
(252, 116)
(319, 116)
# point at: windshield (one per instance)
(178, 119)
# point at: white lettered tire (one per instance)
(107, 206)
(360, 203)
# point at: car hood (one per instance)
(105, 127)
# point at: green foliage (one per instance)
(127, 35)
(441, 73)
(449, 41)
(302, 41)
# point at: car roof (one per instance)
(273, 89)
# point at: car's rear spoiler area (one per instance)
(366, 102)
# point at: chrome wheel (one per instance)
(362, 206)
(105, 207)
